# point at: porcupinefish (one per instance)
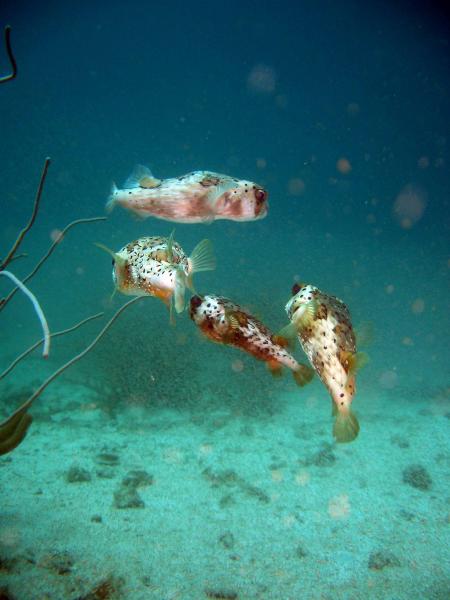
(158, 266)
(225, 322)
(323, 327)
(198, 197)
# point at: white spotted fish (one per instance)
(158, 266)
(198, 197)
(322, 324)
(225, 322)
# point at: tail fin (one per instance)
(303, 375)
(346, 427)
(112, 198)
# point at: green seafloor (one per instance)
(165, 467)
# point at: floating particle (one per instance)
(56, 235)
(262, 79)
(173, 456)
(311, 401)
(302, 478)
(281, 101)
(261, 163)
(389, 289)
(409, 206)
(418, 306)
(423, 162)
(339, 507)
(353, 109)
(79, 271)
(205, 449)
(277, 475)
(296, 186)
(388, 380)
(181, 339)
(407, 341)
(343, 166)
(237, 366)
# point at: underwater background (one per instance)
(163, 466)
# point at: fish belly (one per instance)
(173, 203)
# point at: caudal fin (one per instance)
(303, 375)
(346, 427)
(112, 198)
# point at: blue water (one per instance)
(341, 111)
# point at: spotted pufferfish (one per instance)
(198, 197)
(158, 266)
(324, 329)
(225, 322)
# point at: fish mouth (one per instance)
(195, 302)
(261, 203)
(296, 288)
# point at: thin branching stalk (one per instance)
(39, 342)
(29, 225)
(37, 309)
(70, 362)
(4, 301)
(14, 429)
(10, 54)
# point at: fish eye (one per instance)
(113, 262)
(196, 301)
(260, 195)
(296, 288)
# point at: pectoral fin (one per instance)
(275, 368)
(180, 289)
(308, 315)
(217, 191)
(352, 361)
(202, 257)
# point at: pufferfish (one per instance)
(322, 324)
(158, 266)
(225, 322)
(198, 197)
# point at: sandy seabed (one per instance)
(168, 504)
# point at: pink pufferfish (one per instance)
(323, 327)
(158, 266)
(198, 197)
(225, 322)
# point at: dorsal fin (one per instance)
(139, 172)
(170, 247)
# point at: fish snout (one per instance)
(261, 196)
(195, 303)
(296, 288)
